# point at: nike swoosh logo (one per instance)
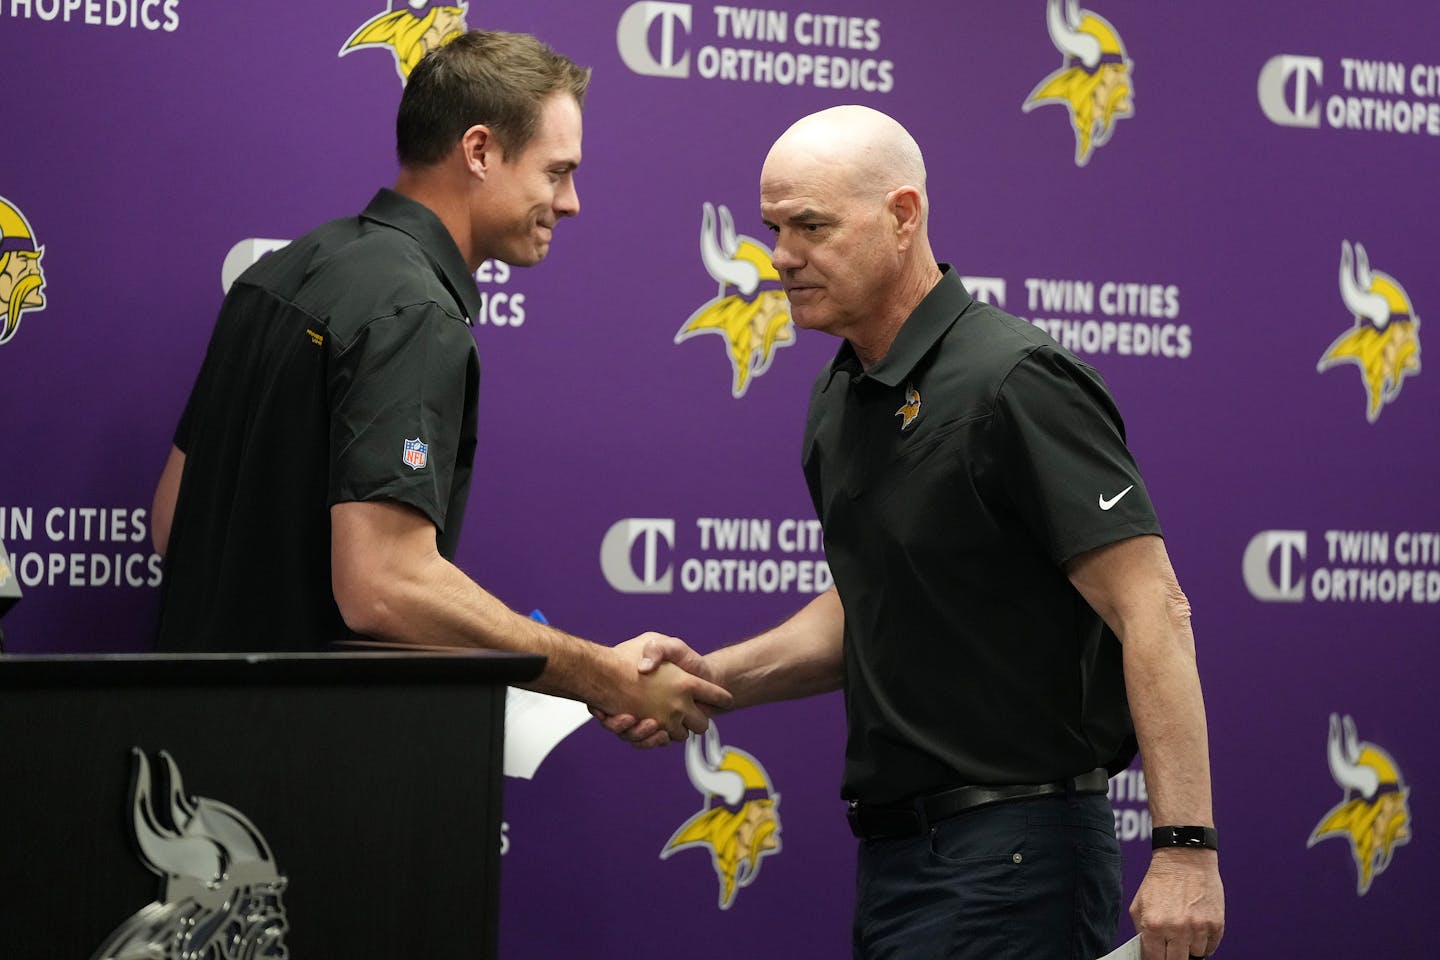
(1107, 504)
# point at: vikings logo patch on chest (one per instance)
(910, 409)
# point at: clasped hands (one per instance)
(663, 689)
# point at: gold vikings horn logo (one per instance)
(1385, 340)
(410, 29)
(22, 282)
(910, 409)
(1094, 81)
(1374, 816)
(755, 323)
(739, 819)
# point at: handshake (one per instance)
(662, 690)
(653, 689)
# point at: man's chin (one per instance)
(529, 258)
(807, 319)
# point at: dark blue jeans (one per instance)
(1026, 880)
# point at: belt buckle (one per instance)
(852, 814)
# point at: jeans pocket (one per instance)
(993, 835)
(1098, 885)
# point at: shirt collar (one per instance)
(922, 329)
(420, 222)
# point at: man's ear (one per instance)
(908, 209)
(480, 150)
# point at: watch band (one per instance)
(1200, 837)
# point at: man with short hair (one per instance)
(320, 471)
(1003, 602)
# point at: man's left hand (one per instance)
(1179, 910)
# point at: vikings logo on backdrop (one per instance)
(1094, 82)
(1385, 340)
(754, 322)
(739, 819)
(1374, 815)
(409, 29)
(22, 282)
(221, 890)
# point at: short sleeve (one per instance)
(181, 437)
(397, 396)
(200, 389)
(1061, 457)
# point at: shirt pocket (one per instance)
(922, 460)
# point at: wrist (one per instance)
(599, 673)
(724, 671)
(1184, 837)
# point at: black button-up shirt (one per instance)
(342, 368)
(953, 480)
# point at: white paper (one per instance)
(534, 725)
(1129, 950)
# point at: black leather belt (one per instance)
(915, 817)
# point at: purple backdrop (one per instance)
(1193, 257)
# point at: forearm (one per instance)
(432, 602)
(1132, 586)
(1180, 905)
(1163, 687)
(799, 658)
(1179, 909)
(391, 582)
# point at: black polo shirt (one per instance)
(953, 480)
(342, 368)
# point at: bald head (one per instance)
(844, 192)
(860, 150)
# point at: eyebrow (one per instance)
(803, 215)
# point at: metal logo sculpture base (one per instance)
(220, 893)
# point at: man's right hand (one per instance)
(648, 654)
(658, 699)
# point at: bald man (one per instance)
(1003, 602)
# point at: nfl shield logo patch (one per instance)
(417, 453)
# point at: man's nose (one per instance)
(567, 200)
(785, 258)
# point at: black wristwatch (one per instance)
(1203, 838)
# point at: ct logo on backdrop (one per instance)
(409, 29)
(1094, 82)
(1288, 90)
(632, 38)
(1273, 566)
(754, 322)
(1374, 814)
(739, 818)
(1384, 341)
(22, 282)
(618, 565)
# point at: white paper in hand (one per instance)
(534, 725)
(1129, 950)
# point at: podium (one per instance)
(333, 806)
